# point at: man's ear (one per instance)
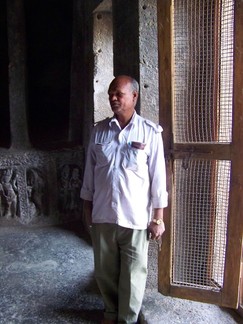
(135, 96)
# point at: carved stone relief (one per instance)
(36, 185)
(39, 187)
(69, 189)
(70, 175)
(8, 193)
(23, 181)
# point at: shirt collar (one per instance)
(132, 121)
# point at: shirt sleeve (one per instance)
(157, 171)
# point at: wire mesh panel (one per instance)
(199, 213)
(202, 46)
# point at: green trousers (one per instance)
(120, 256)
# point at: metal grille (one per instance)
(202, 49)
(200, 210)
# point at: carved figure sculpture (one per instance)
(8, 192)
(35, 188)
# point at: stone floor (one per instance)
(47, 277)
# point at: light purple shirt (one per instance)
(125, 172)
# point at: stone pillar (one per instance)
(17, 74)
(103, 59)
(77, 70)
(126, 38)
(136, 49)
(148, 62)
(126, 45)
(87, 78)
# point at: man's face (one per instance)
(122, 98)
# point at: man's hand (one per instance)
(156, 231)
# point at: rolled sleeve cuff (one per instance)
(160, 202)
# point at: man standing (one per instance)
(124, 181)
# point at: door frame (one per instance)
(229, 295)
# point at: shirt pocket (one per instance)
(103, 152)
(135, 159)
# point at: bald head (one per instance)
(126, 79)
(123, 95)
